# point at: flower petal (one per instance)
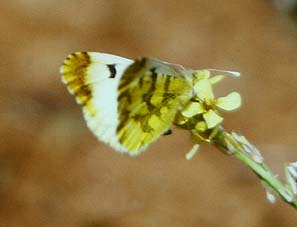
(229, 102)
(203, 89)
(193, 109)
(192, 152)
(212, 119)
(216, 79)
(202, 74)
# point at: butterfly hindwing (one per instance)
(150, 93)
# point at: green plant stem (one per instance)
(227, 143)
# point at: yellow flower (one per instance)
(206, 104)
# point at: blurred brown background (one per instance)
(53, 172)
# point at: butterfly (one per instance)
(126, 103)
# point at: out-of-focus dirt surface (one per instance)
(53, 172)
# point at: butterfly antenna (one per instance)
(231, 73)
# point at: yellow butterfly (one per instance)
(127, 103)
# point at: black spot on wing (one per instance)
(112, 70)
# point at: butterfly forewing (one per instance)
(93, 78)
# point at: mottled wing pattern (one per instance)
(93, 78)
(150, 94)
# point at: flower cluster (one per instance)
(202, 113)
(205, 104)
